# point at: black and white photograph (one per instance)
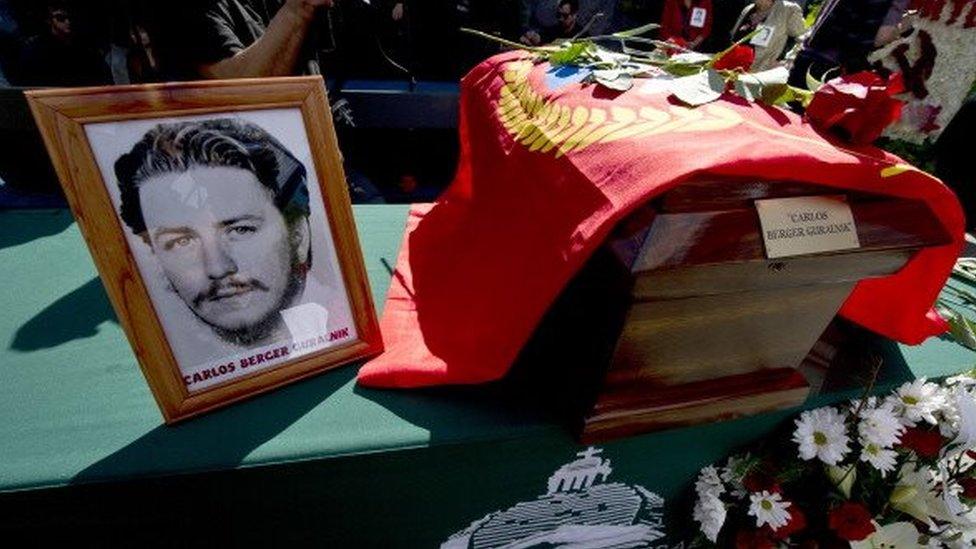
(225, 220)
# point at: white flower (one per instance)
(769, 509)
(965, 381)
(883, 459)
(880, 427)
(710, 514)
(920, 400)
(966, 410)
(898, 535)
(914, 493)
(709, 483)
(821, 433)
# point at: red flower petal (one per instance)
(859, 105)
(851, 521)
(738, 58)
(926, 443)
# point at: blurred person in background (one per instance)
(687, 22)
(844, 34)
(567, 25)
(774, 22)
(236, 38)
(257, 38)
(59, 55)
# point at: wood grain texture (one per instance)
(712, 329)
(642, 411)
(61, 115)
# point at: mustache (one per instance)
(217, 287)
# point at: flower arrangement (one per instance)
(694, 78)
(888, 472)
(858, 106)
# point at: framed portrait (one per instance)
(219, 220)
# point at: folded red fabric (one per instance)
(548, 167)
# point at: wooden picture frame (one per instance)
(276, 276)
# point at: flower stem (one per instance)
(507, 42)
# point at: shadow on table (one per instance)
(75, 315)
(549, 386)
(218, 440)
(19, 229)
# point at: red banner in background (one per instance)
(549, 166)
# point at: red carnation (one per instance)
(851, 521)
(754, 539)
(860, 105)
(797, 522)
(738, 58)
(925, 443)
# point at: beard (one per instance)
(257, 332)
(251, 334)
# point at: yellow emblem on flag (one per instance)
(545, 125)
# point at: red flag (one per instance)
(548, 167)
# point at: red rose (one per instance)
(859, 105)
(926, 443)
(738, 58)
(754, 539)
(851, 521)
(968, 487)
(797, 522)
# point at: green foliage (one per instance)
(814, 7)
(697, 82)
(569, 53)
(921, 156)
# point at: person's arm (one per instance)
(278, 49)
(890, 28)
(795, 25)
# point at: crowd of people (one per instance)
(93, 42)
(65, 42)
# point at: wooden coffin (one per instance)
(711, 328)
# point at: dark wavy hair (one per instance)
(228, 142)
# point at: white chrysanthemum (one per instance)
(920, 400)
(882, 459)
(710, 514)
(965, 381)
(963, 412)
(709, 483)
(769, 509)
(870, 403)
(880, 427)
(821, 433)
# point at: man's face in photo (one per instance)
(224, 246)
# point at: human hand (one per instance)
(306, 8)
(397, 11)
(531, 38)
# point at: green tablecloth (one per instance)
(82, 444)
